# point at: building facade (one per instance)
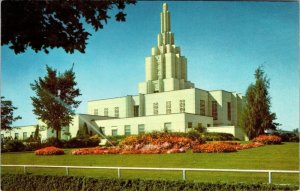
(167, 100)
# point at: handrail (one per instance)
(153, 168)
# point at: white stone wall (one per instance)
(153, 123)
(30, 129)
(188, 95)
(235, 131)
(110, 104)
(202, 95)
(223, 97)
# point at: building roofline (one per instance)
(165, 92)
(110, 98)
(24, 126)
(225, 91)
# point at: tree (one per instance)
(7, 114)
(55, 98)
(37, 133)
(295, 131)
(48, 24)
(83, 131)
(256, 116)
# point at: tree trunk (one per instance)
(57, 133)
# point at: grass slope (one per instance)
(279, 157)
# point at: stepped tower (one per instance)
(166, 68)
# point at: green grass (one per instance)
(274, 157)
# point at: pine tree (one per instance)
(37, 133)
(256, 115)
(55, 98)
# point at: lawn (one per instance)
(277, 157)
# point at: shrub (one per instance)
(49, 151)
(267, 139)
(52, 141)
(289, 137)
(11, 182)
(79, 143)
(32, 146)
(13, 146)
(210, 136)
(217, 147)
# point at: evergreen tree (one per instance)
(55, 98)
(256, 115)
(83, 131)
(7, 114)
(37, 133)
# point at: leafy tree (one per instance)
(55, 98)
(256, 116)
(49, 24)
(7, 114)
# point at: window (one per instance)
(105, 111)
(228, 110)
(136, 111)
(25, 135)
(190, 124)
(182, 106)
(168, 107)
(114, 132)
(167, 127)
(116, 111)
(208, 125)
(202, 107)
(155, 108)
(127, 130)
(214, 110)
(141, 128)
(16, 135)
(95, 111)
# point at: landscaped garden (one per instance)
(187, 152)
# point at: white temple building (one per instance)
(167, 100)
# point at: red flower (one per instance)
(267, 139)
(49, 151)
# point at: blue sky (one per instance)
(224, 43)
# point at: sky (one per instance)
(224, 42)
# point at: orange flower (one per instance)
(267, 139)
(49, 151)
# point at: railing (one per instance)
(159, 169)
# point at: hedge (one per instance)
(11, 182)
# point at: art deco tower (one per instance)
(166, 69)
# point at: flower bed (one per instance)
(215, 147)
(267, 139)
(96, 150)
(159, 143)
(154, 143)
(222, 146)
(49, 151)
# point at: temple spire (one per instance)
(165, 36)
(165, 19)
